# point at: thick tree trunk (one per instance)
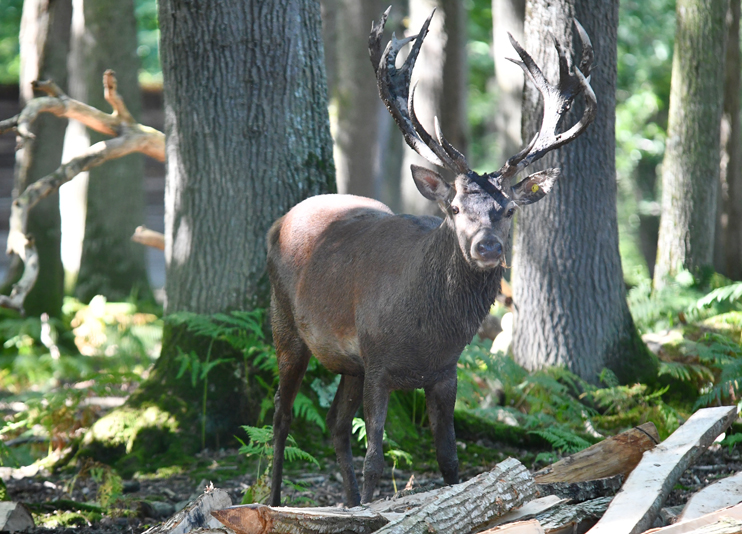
(690, 169)
(570, 301)
(441, 71)
(507, 17)
(360, 111)
(45, 36)
(247, 138)
(110, 265)
(728, 242)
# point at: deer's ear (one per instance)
(535, 187)
(430, 184)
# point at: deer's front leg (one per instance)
(440, 399)
(375, 403)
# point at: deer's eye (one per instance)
(454, 209)
(510, 213)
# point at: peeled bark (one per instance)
(690, 169)
(568, 290)
(728, 245)
(441, 91)
(104, 37)
(45, 35)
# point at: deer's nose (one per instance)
(488, 249)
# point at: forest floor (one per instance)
(148, 500)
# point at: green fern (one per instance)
(562, 439)
(304, 408)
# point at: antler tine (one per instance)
(394, 90)
(557, 101)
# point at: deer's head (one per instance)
(479, 207)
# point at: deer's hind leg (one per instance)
(340, 421)
(293, 356)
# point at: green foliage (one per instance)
(148, 37)
(51, 367)
(261, 447)
(10, 26)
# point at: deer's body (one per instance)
(397, 298)
(389, 301)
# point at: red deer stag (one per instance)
(389, 301)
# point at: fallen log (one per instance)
(522, 527)
(461, 508)
(721, 494)
(573, 518)
(634, 508)
(528, 511)
(599, 470)
(452, 510)
(196, 515)
(725, 521)
(616, 455)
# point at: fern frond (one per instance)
(304, 408)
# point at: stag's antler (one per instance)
(557, 101)
(394, 90)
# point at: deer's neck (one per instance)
(459, 293)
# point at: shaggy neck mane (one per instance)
(457, 293)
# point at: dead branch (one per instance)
(128, 137)
(149, 238)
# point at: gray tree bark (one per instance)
(44, 40)
(690, 169)
(728, 242)
(111, 264)
(360, 113)
(569, 296)
(507, 16)
(441, 91)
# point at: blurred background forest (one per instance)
(87, 352)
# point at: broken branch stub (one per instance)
(128, 137)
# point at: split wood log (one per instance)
(461, 508)
(616, 455)
(600, 469)
(14, 517)
(721, 494)
(636, 506)
(585, 490)
(262, 519)
(569, 518)
(521, 527)
(528, 511)
(128, 137)
(197, 515)
(451, 510)
(149, 238)
(718, 522)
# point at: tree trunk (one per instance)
(507, 17)
(441, 71)
(569, 296)
(110, 264)
(45, 37)
(690, 169)
(728, 242)
(360, 111)
(247, 138)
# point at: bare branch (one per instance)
(128, 137)
(149, 238)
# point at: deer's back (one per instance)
(340, 262)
